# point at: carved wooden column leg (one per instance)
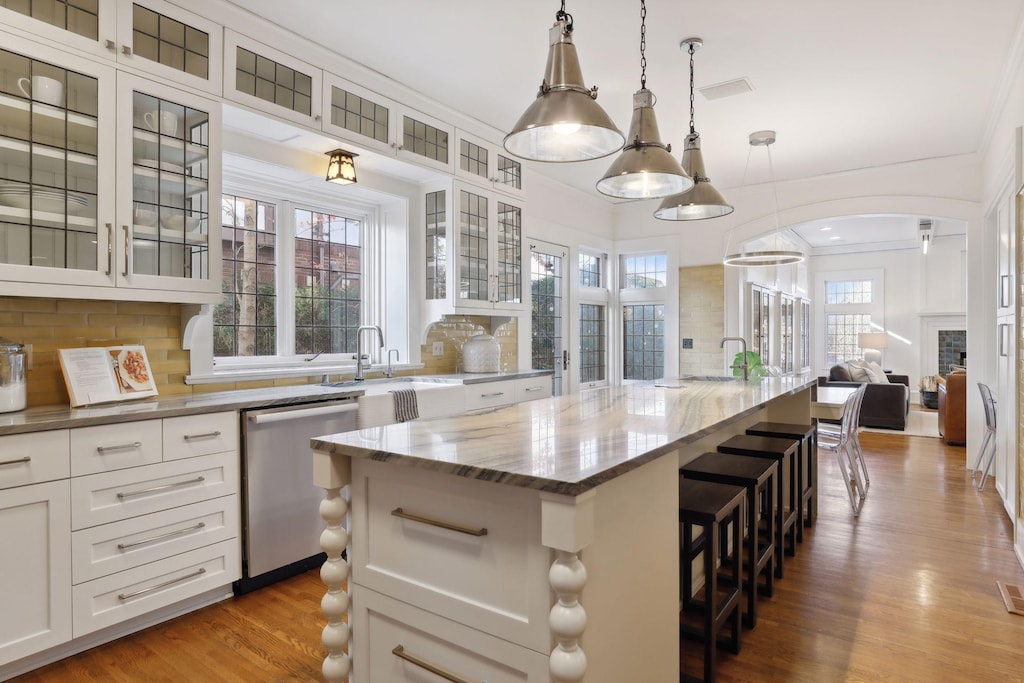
(567, 619)
(332, 472)
(567, 526)
(334, 573)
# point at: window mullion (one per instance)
(286, 281)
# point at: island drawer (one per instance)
(399, 641)
(113, 496)
(110, 548)
(105, 448)
(490, 394)
(192, 435)
(464, 548)
(33, 458)
(111, 599)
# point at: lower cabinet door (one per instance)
(398, 643)
(35, 573)
(133, 592)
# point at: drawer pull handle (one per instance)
(128, 596)
(169, 534)
(119, 447)
(204, 435)
(433, 521)
(496, 393)
(163, 487)
(16, 461)
(529, 389)
(436, 669)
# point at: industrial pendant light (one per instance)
(769, 257)
(645, 169)
(565, 122)
(703, 201)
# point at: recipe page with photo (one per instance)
(103, 374)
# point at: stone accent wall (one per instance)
(951, 344)
(702, 318)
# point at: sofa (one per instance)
(886, 398)
(953, 408)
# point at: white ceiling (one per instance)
(845, 85)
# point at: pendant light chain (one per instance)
(643, 44)
(692, 129)
(562, 15)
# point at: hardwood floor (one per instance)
(906, 592)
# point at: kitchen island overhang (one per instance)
(591, 490)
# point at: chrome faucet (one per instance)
(743, 365)
(359, 347)
(389, 371)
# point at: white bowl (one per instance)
(177, 222)
(146, 217)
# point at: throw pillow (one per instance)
(878, 372)
(860, 372)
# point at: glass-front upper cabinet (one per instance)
(56, 168)
(356, 114)
(474, 250)
(166, 179)
(481, 162)
(89, 25)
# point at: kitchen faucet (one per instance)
(359, 347)
(743, 365)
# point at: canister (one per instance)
(12, 376)
(482, 353)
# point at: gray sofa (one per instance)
(885, 405)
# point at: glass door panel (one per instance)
(510, 253)
(548, 322)
(474, 275)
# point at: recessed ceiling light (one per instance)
(826, 228)
(835, 237)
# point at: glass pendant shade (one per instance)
(341, 168)
(646, 168)
(703, 200)
(565, 123)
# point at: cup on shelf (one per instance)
(163, 122)
(42, 89)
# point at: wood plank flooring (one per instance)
(906, 592)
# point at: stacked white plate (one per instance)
(44, 199)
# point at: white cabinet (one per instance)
(475, 262)
(533, 388)
(486, 164)
(1005, 464)
(85, 216)
(361, 116)
(490, 394)
(1006, 245)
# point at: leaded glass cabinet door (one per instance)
(169, 179)
(56, 168)
(89, 25)
(475, 284)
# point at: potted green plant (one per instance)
(754, 366)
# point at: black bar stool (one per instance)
(756, 476)
(713, 508)
(779, 450)
(807, 464)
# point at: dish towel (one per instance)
(406, 407)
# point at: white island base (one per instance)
(477, 580)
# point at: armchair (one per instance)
(953, 408)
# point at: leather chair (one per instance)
(885, 406)
(953, 408)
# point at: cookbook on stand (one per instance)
(105, 374)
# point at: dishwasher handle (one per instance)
(299, 413)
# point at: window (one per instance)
(644, 271)
(841, 336)
(643, 337)
(590, 270)
(593, 356)
(293, 280)
(850, 292)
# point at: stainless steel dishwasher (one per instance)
(281, 521)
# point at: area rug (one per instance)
(919, 423)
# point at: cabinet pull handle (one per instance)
(529, 389)
(16, 461)
(127, 250)
(434, 521)
(205, 435)
(436, 669)
(110, 248)
(163, 487)
(126, 50)
(493, 394)
(128, 596)
(169, 534)
(119, 447)
(110, 45)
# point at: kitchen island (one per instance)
(536, 542)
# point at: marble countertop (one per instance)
(43, 418)
(566, 444)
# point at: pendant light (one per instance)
(703, 201)
(645, 169)
(769, 257)
(565, 123)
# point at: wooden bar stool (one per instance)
(713, 508)
(779, 450)
(757, 477)
(806, 464)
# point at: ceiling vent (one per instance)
(726, 89)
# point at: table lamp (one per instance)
(872, 343)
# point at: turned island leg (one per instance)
(332, 473)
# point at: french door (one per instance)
(549, 324)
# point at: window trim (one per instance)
(876, 309)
